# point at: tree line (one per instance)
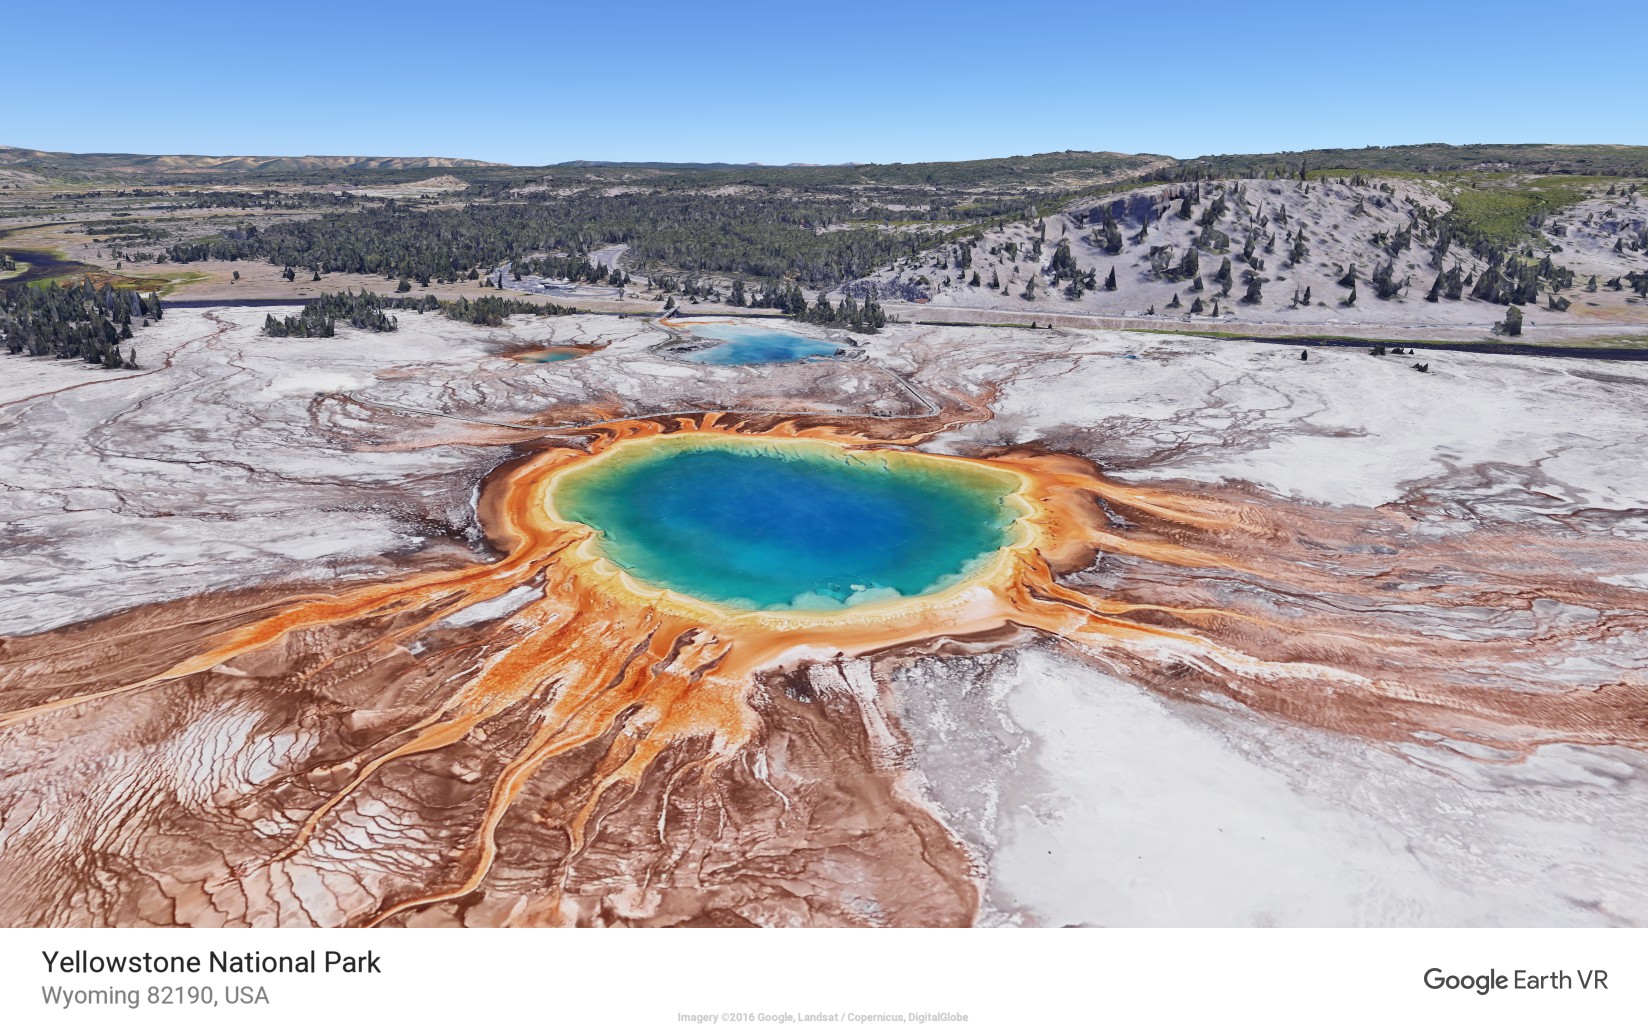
(867, 317)
(77, 321)
(575, 267)
(320, 317)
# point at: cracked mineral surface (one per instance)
(292, 636)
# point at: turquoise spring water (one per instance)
(548, 356)
(746, 344)
(767, 526)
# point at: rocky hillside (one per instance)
(1399, 250)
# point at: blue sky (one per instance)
(540, 82)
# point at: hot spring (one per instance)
(746, 344)
(762, 524)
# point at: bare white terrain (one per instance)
(1082, 794)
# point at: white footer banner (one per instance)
(980, 978)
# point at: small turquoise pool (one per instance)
(551, 355)
(746, 344)
(764, 525)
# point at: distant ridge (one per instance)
(1535, 158)
(1066, 170)
(695, 165)
(175, 164)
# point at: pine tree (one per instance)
(1110, 279)
(1453, 283)
(1112, 234)
(1385, 285)
(1063, 264)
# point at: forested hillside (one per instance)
(758, 234)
